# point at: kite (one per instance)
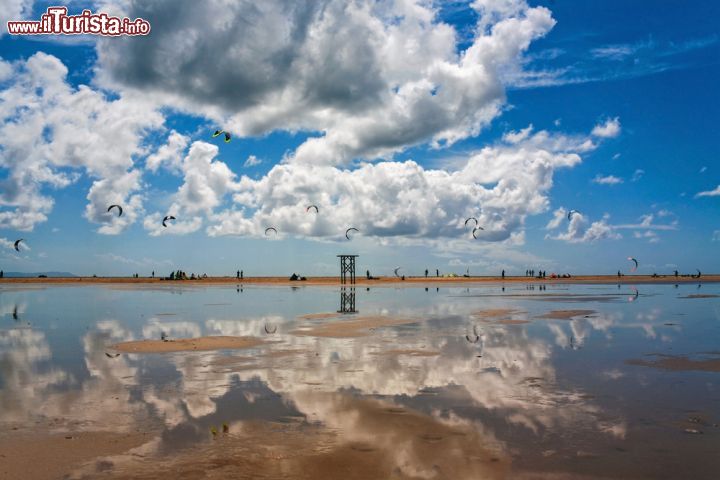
(270, 330)
(474, 230)
(167, 217)
(474, 338)
(270, 228)
(471, 218)
(570, 214)
(312, 206)
(634, 297)
(17, 244)
(120, 210)
(396, 272)
(348, 231)
(217, 133)
(636, 263)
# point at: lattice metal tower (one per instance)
(347, 268)
(347, 300)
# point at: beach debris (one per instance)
(348, 231)
(471, 218)
(571, 213)
(213, 430)
(120, 209)
(217, 133)
(633, 259)
(267, 230)
(225, 428)
(167, 217)
(112, 355)
(312, 206)
(634, 297)
(270, 329)
(396, 271)
(17, 244)
(693, 431)
(475, 230)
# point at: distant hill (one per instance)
(37, 274)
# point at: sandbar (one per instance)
(187, 344)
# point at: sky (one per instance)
(399, 118)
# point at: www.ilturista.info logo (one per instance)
(56, 21)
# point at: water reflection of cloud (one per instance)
(510, 374)
(22, 350)
(102, 401)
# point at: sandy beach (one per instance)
(362, 281)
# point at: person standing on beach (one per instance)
(153, 274)
(437, 273)
(426, 273)
(237, 275)
(503, 274)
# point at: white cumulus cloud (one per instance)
(609, 129)
(375, 77)
(52, 132)
(580, 230)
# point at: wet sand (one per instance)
(680, 363)
(187, 344)
(357, 327)
(566, 314)
(362, 281)
(495, 313)
(500, 316)
(412, 353)
(362, 439)
(61, 453)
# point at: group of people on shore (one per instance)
(180, 275)
(540, 274)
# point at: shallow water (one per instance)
(458, 382)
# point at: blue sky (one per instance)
(399, 121)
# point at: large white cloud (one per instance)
(580, 230)
(51, 132)
(373, 76)
(500, 185)
(206, 182)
